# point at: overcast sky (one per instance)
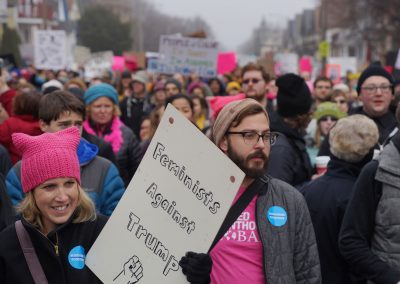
(234, 20)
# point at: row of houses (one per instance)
(305, 32)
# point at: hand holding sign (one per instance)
(197, 267)
(132, 272)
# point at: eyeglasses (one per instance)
(251, 137)
(341, 102)
(328, 117)
(372, 89)
(323, 87)
(253, 80)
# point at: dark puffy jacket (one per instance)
(7, 215)
(75, 238)
(371, 220)
(288, 160)
(132, 112)
(99, 178)
(129, 156)
(327, 198)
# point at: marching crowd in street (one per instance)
(70, 147)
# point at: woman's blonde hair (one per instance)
(85, 209)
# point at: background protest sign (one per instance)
(346, 63)
(188, 55)
(50, 49)
(98, 63)
(175, 203)
(286, 63)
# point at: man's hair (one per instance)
(251, 110)
(53, 105)
(323, 79)
(256, 67)
(27, 103)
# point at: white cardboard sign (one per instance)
(175, 203)
(50, 50)
(188, 55)
(97, 64)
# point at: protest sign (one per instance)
(81, 54)
(98, 63)
(175, 203)
(226, 62)
(50, 49)
(333, 72)
(346, 63)
(305, 64)
(286, 63)
(188, 55)
(118, 63)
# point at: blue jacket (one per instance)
(99, 178)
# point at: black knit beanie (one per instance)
(294, 96)
(373, 70)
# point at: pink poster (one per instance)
(226, 62)
(305, 64)
(118, 63)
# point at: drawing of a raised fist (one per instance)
(132, 272)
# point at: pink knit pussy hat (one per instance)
(48, 156)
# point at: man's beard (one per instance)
(242, 162)
(257, 96)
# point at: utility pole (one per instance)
(324, 48)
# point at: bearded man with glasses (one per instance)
(255, 83)
(271, 239)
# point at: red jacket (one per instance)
(18, 123)
(6, 99)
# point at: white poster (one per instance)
(188, 55)
(346, 64)
(50, 49)
(98, 63)
(81, 54)
(286, 63)
(175, 203)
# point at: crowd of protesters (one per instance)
(342, 224)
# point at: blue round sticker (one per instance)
(277, 216)
(76, 257)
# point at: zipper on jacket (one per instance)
(56, 246)
(265, 179)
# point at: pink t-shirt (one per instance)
(238, 257)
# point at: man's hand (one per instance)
(197, 267)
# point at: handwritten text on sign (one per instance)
(175, 203)
(50, 49)
(188, 55)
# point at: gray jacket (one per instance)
(385, 241)
(287, 235)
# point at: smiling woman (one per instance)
(56, 214)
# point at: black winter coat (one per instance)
(59, 269)
(288, 160)
(327, 198)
